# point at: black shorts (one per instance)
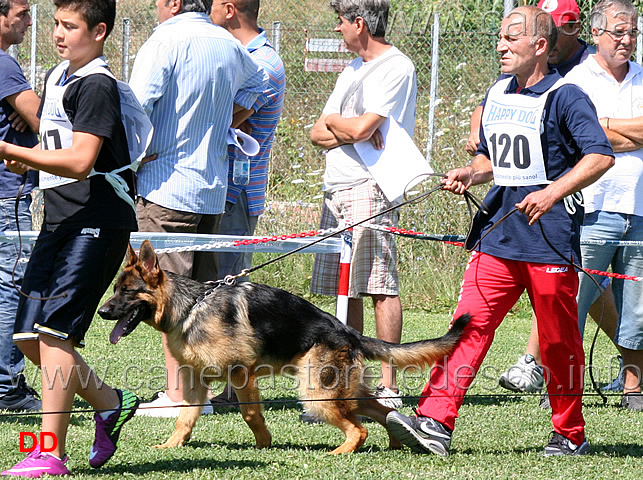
(79, 264)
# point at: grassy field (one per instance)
(499, 435)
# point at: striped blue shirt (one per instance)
(264, 121)
(187, 76)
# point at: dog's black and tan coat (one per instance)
(246, 328)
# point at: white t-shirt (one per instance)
(391, 90)
(620, 190)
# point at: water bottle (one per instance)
(241, 170)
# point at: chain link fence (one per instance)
(465, 65)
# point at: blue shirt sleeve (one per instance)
(273, 67)
(13, 80)
(254, 80)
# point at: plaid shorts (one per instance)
(374, 260)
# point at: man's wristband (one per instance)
(608, 123)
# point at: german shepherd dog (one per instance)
(217, 330)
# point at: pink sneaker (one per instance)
(38, 464)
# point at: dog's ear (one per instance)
(132, 258)
(147, 257)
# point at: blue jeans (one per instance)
(627, 260)
(11, 359)
(235, 221)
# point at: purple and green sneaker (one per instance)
(107, 431)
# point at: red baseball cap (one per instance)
(562, 11)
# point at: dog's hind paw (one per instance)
(394, 443)
(168, 445)
(173, 442)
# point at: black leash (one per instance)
(470, 198)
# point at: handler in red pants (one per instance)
(491, 287)
(540, 143)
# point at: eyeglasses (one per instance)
(620, 34)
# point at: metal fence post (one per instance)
(125, 54)
(639, 41)
(276, 36)
(433, 92)
(509, 6)
(34, 44)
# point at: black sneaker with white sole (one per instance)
(21, 398)
(559, 445)
(421, 434)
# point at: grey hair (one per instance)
(5, 6)
(598, 17)
(537, 24)
(374, 13)
(199, 6)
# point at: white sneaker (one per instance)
(162, 406)
(388, 397)
(524, 376)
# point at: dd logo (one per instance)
(34, 441)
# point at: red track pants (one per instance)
(491, 286)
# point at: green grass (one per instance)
(499, 435)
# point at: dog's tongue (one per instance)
(117, 331)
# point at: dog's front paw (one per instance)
(260, 445)
(263, 439)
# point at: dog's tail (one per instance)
(421, 354)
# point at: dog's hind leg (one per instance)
(325, 382)
(371, 408)
(194, 396)
(348, 423)
(251, 407)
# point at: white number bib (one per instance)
(56, 129)
(512, 127)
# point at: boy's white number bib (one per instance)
(56, 129)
